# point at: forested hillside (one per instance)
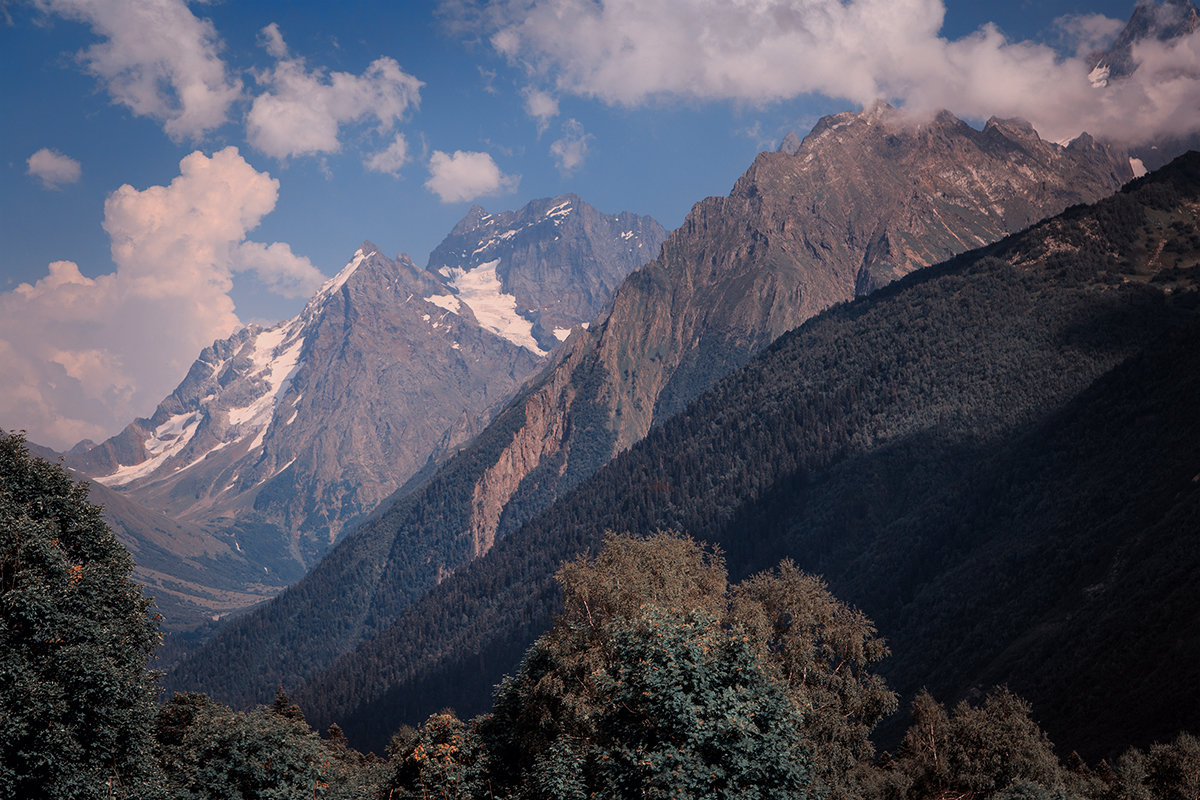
(993, 458)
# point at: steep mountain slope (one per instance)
(264, 434)
(865, 198)
(281, 437)
(994, 459)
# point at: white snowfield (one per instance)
(168, 439)
(480, 290)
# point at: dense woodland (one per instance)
(658, 679)
(992, 458)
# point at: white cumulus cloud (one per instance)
(466, 176)
(302, 111)
(391, 158)
(53, 168)
(158, 59)
(631, 52)
(82, 356)
(1088, 34)
(570, 150)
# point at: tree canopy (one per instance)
(76, 698)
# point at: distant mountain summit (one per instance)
(1158, 21)
(281, 437)
(559, 259)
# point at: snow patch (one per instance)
(495, 311)
(1098, 77)
(1139, 169)
(627, 235)
(562, 333)
(446, 301)
(168, 439)
(560, 210)
(276, 360)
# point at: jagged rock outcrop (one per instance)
(559, 258)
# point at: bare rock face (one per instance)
(281, 437)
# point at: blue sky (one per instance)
(133, 235)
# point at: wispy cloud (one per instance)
(390, 159)
(53, 168)
(571, 148)
(89, 353)
(631, 52)
(158, 59)
(541, 106)
(302, 110)
(466, 176)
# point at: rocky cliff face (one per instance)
(283, 436)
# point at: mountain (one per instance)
(994, 459)
(280, 438)
(1153, 21)
(866, 198)
(559, 258)
(195, 575)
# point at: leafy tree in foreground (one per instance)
(211, 751)
(1165, 772)
(825, 650)
(659, 680)
(993, 750)
(76, 700)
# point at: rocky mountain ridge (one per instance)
(866, 198)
